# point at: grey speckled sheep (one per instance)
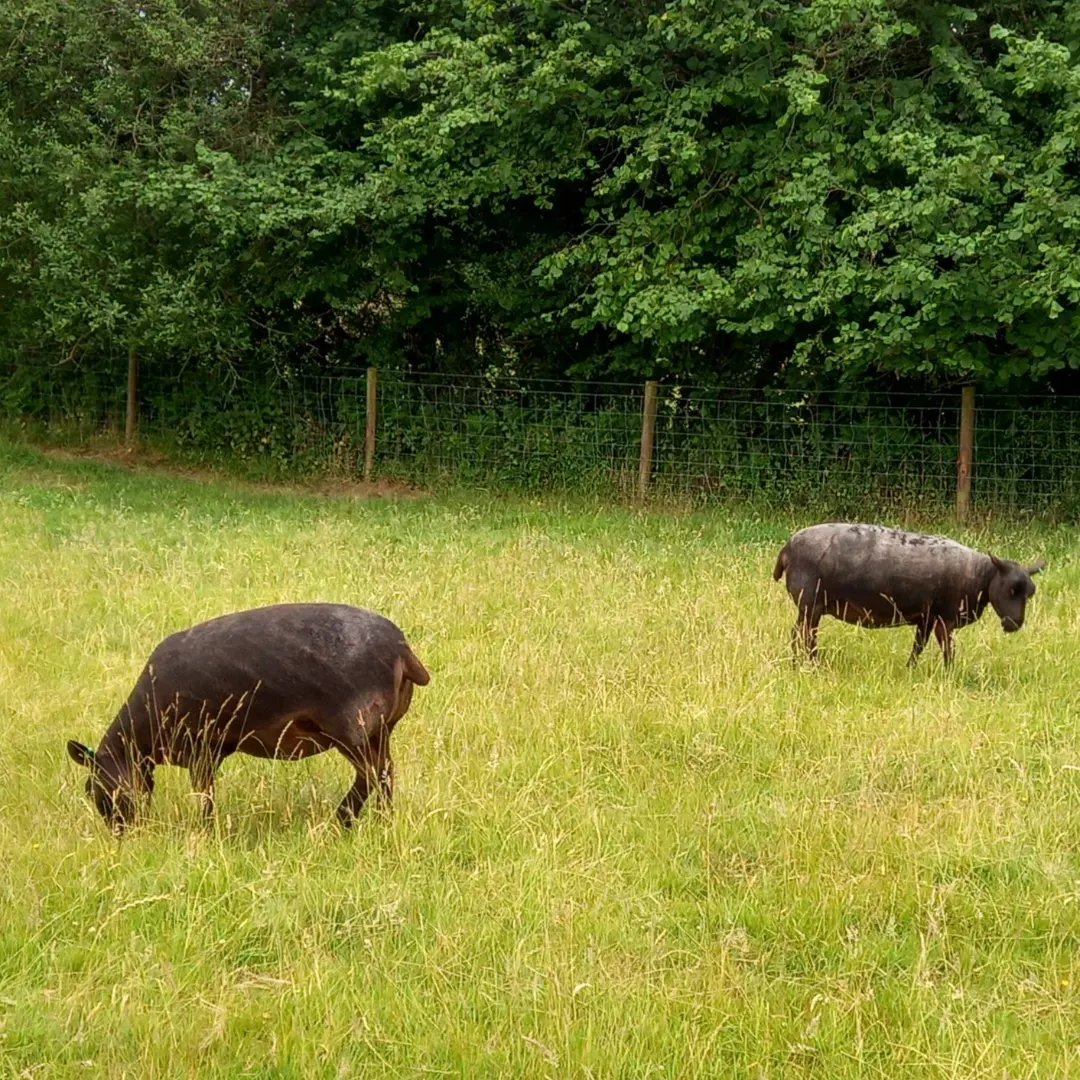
(875, 576)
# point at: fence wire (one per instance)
(793, 446)
(838, 449)
(1027, 456)
(509, 432)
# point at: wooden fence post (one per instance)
(648, 437)
(965, 460)
(131, 417)
(369, 429)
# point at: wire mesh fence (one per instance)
(841, 450)
(793, 446)
(1028, 457)
(509, 432)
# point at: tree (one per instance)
(110, 109)
(701, 185)
(724, 190)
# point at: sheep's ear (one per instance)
(81, 755)
(1001, 564)
(1040, 565)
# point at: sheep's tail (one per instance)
(781, 564)
(413, 669)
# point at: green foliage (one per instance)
(728, 190)
(863, 186)
(110, 107)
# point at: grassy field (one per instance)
(630, 840)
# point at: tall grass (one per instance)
(629, 839)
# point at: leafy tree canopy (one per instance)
(722, 189)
